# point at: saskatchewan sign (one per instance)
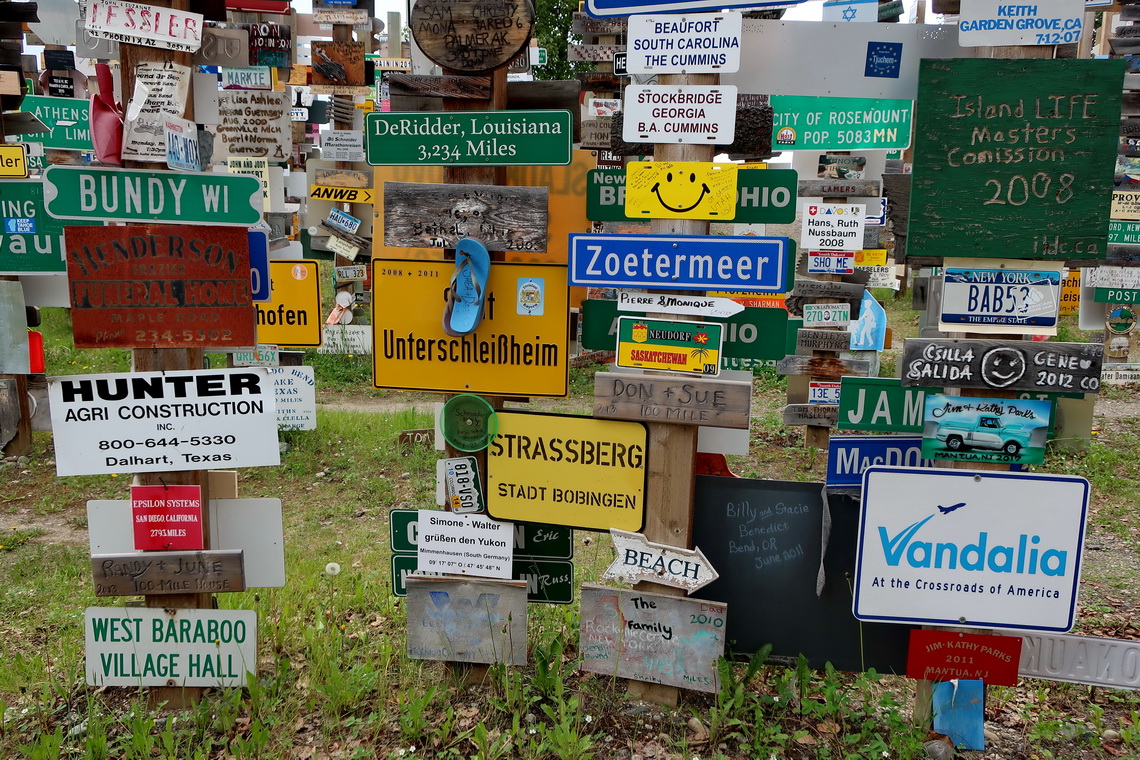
(132, 195)
(469, 138)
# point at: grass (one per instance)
(334, 679)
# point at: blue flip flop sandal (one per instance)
(464, 308)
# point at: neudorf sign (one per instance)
(1002, 365)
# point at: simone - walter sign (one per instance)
(138, 646)
(957, 547)
(159, 421)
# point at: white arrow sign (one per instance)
(700, 306)
(641, 560)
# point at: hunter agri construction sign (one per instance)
(983, 549)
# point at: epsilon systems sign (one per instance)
(959, 547)
(681, 262)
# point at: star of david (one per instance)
(849, 14)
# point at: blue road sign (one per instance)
(849, 455)
(259, 265)
(682, 262)
(606, 8)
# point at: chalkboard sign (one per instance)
(764, 538)
(1013, 158)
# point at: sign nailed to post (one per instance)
(483, 138)
(641, 560)
(763, 196)
(692, 347)
(697, 43)
(694, 114)
(1002, 365)
(814, 123)
(292, 315)
(146, 25)
(1043, 22)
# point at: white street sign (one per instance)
(691, 43)
(693, 114)
(1111, 277)
(161, 421)
(638, 559)
(464, 544)
(833, 227)
(295, 389)
(1042, 22)
(961, 547)
(697, 306)
(1079, 659)
(143, 646)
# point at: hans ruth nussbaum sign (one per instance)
(160, 421)
(980, 549)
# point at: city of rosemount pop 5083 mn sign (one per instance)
(959, 547)
(469, 138)
(1014, 158)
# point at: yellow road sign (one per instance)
(568, 470)
(871, 257)
(292, 315)
(13, 161)
(342, 194)
(680, 190)
(519, 348)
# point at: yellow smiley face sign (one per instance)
(680, 190)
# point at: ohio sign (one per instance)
(973, 548)
(681, 262)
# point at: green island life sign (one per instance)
(133, 195)
(1014, 158)
(31, 240)
(469, 138)
(814, 123)
(763, 196)
(68, 119)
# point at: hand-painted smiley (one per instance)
(680, 183)
(1002, 367)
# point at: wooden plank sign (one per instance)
(682, 401)
(814, 415)
(823, 340)
(168, 572)
(652, 637)
(425, 215)
(977, 193)
(464, 88)
(471, 36)
(1009, 365)
(466, 620)
(165, 286)
(639, 559)
(823, 368)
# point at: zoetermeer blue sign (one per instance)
(607, 8)
(682, 262)
(849, 455)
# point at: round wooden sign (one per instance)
(472, 36)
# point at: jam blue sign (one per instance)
(884, 59)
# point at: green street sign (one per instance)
(763, 196)
(1116, 295)
(755, 333)
(31, 240)
(813, 123)
(469, 138)
(133, 195)
(881, 403)
(68, 119)
(1123, 233)
(548, 581)
(531, 539)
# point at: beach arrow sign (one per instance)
(638, 559)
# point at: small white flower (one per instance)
(333, 568)
(589, 718)
(531, 731)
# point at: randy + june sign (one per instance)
(980, 549)
(1006, 169)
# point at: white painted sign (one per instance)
(827, 314)
(1079, 659)
(691, 114)
(465, 544)
(881, 277)
(847, 11)
(139, 24)
(833, 227)
(160, 421)
(980, 549)
(1042, 22)
(1119, 374)
(143, 646)
(342, 145)
(296, 391)
(697, 306)
(639, 559)
(342, 246)
(1110, 277)
(691, 43)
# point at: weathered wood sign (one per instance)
(471, 36)
(840, 188)
(425, 215)
(168, 573)
(825, 289)
(658, 398)
(1002, 365)
(823, 340)
(466, 621)
(170, 286)
(639, 559)
(652, 637)
(814, 415)
(462, 88)
(1006, 169)
(822, 368)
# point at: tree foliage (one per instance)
(552, 29)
